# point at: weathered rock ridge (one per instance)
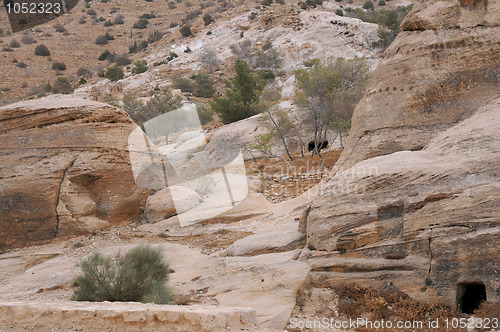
(414, 201)
(64, 170)
(442, 66)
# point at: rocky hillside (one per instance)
(298, 33)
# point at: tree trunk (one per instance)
(281, 136)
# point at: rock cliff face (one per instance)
(442, 66)
(415, 201)
(64, 170)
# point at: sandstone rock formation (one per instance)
(442, 66)
(161, 205)
(414, 202)
(64, 170)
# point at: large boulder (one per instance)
(161, 205)
(64, 170)
(414, 202)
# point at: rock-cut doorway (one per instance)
(470, 296)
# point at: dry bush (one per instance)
(488, 310)
(393, 305)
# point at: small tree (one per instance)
(161, 103)
(209, 58)
(42, 50)
(269, 59)
(244, 52)
(329, 92)
(114, 73)
(241, 95)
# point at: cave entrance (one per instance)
(470, 296)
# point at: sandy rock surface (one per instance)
(64, 170)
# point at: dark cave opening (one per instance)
(470, 296)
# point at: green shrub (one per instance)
(368, 5)
(56, 65)
(101, 40)
(62, 85)
(139, 276)
(121, 60)
(381, 3)
(208, 19)
(22, 64)
(186, 31)
(184, 84)
(140, 66)
(28, 40)
(84, 72)
(119, 19)
(312, 62)
(114, 73)
(204, 85)
(155, 36)
(241, 95)
(14, 43)
(42, 50)
(106, 55)
(142, 23)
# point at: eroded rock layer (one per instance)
(64, 170)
